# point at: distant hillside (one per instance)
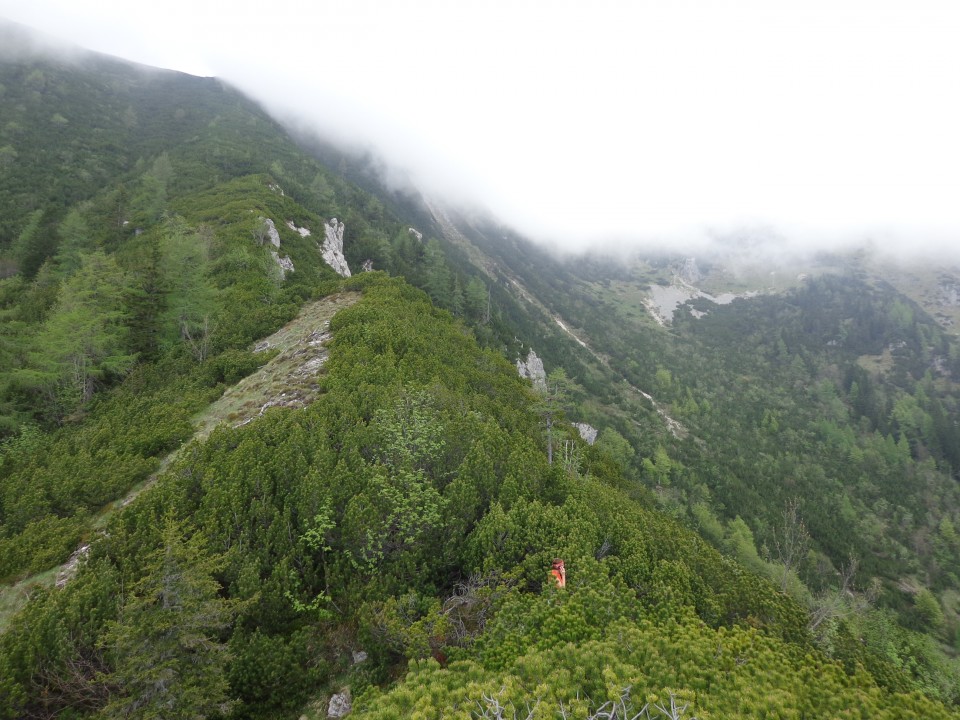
(825, 402)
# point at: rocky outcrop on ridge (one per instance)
(332, 247)
(532, 368)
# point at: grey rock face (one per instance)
(285, 263)
(332, 248)
(272, 233)
(304, 232)
(532, 368)
(948, 293)
(273, 237)
(689, 272)
(587, 432)
(340, 704)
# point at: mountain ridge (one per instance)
(417, 481)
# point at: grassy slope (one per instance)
(289, 378)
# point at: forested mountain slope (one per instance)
(820, 442)
(385, 523)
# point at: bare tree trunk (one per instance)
(199, 345)
(792, 541)
(550, 440)
(844, 601)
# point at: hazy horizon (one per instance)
(614, 126)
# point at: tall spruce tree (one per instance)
(168, 654)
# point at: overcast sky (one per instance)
(584, 122)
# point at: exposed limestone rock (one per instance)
(332, 248)
(417, 234)
(587, 432)
(340, 704)
(285, 263)
(272, 233)
(367, 265)
(571, 333)
(674, 426)
(69, 569)
(276, 188)
(532, 368)
(359, 656)
(664, 300)
(304, 232)
(689, 272)
(939, 364)
(948, 293)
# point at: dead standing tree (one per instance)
(554, 398)
(791, 541)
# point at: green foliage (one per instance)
(616, 447)
(411, 626)
(412, 508)
(28, 249)
(271, 674)
(581, 649)
(76, 239)
(231, 366)
(83, 342)
(52, 658)
(835, 393)
(189, 299)
(163, 647)
(420, 463)
(49, 483)
(555, 397)
(40, 542)
(928, 611)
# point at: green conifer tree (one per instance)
(168, 654)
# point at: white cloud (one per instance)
(643, 120)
